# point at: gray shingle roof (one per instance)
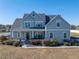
(43, 16)
(49, 17)
(17, 23)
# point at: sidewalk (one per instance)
(31, 46)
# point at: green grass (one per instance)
(74, 34)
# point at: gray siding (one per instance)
(50, 26)
(53, 24)
(32, 18)
(59, 35)
(58, 32)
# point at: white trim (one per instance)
(12, 34)
(28, 30)
(33, 12)
(51, 20)
(33, 21)
(41, 30)
(64, 20)
(32, 34)
(45, 28)
(54, 19)
(57, 29)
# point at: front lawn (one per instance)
(10, 52)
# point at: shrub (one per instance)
(3, 38)
(8, 42)
(12, 42)
(17, 44)
(54, 42)
(67, 44)
(47, 43)
(74, 43)
(71, 43)
(36, 43)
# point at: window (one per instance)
(39, 25)
(18, 34)
(58, 24)
(27, 25)
(51, 35)
(39, 35)
(65, 35)
(14, 33)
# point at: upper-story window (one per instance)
(39, 24)
(33, 14)
(26, 24)
(31, 24)
(58, 24)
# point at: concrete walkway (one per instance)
(31, 46)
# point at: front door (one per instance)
(27, 36)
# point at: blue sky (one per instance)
(12, 9)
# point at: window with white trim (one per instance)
(39, 24)
(65, 35)
(51, 35)
(58, 24)
(14, 33)
(18, 34)
(26, 24)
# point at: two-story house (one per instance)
(41, 26)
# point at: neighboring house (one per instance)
(2, 28)
(77, 28)
(8, 28)
(41, 26)
(5, 28)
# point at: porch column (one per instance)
(32, 34)
(12, 34)
(45, 34)
(20, 34)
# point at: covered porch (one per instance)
(33, 34)
(29, 34)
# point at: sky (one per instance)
(12, 9)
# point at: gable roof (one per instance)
(42, 16)
(34, 13)
(47, 18)
(56, 17)
(16, 23)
